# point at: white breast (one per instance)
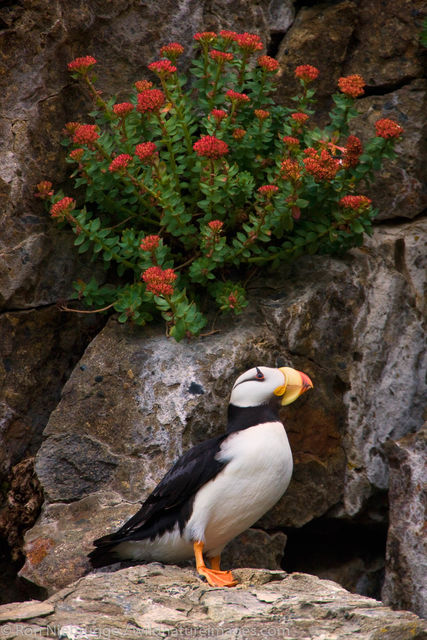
(258, 472)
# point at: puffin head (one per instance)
(260, 385)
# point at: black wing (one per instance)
(173, 493)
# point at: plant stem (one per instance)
(170, 149)
(63, 307)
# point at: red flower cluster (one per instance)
(162, 67)
(290, 170)
(150, 243)
(352, 152)
(215, 225)
(261, 114)
(228, 35)
(291, 142)
(145, 151)
(44, 190)
(220, 56)
(352, 86)
(80, 65)
(320, 164)
(249, 42)
(70, 128)
(268, 64)
(205, 36)
(238, 133)
(150, 100)
(172, 50)
(306, 72)
(86, 134)
(268, 190)
(159, 281)
(355, 202)
(120, 162)
(386, 128)
(237, 97)
(210, 147)
(218, 114)
(76, 154)
(143, 85)
(62, 207)
(299, 117)
(123, 108)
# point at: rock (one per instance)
(281, 14)
(320, 36)
(25, 610)
(38, 350)
(255, 548)
(386, 397)
(399, 188)
(386, 47)
(405, 585)
(341, 39)
(348, 328)
(137, 400)
(23, 502)
(347, 37)
(350, 552)
(153, 600)
(37, 353)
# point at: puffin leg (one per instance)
(216, 563)
(215, 577)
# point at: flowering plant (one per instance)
(191, 186)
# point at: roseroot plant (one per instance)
(193, 185)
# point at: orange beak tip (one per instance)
(306, 382)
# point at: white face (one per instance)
(256, 386)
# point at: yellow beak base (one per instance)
(296, 383)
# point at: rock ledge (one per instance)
(154, 601)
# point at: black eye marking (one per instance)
(259, 374)
(259, 377)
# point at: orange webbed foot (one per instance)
(217, 578)
(214, 576)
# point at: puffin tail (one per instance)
(104, 553)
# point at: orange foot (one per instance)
(215, 577)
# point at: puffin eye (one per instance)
(259, 374)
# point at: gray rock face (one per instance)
(154, 600)
(137, 400)
(400, 187)
(386, 398)
(255, 548)
(405, 583)
(38, 350)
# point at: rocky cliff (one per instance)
(354, 324)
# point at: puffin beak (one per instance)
(296, 383)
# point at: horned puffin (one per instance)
(218, 488)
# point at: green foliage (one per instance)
(191, 219)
